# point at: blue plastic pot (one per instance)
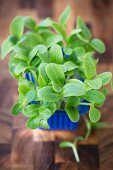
(60, 120)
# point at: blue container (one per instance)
(60, 120)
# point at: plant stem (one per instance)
(75, 153)
(88, 125)
(86, 104)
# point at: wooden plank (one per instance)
(5, 150)
(105, 137)
(22, 150)
(89, 157)
(6, 127)
(43, 156)
(66, 166)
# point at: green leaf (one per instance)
(74, 88)
(66, 144)
(41, 51)
(21, 57)
(45, 113)
(99, 125)
(52, 40)
(20, 68)
(31, 110)
(55, 73)
(89, 66)
(94, 114)
(98, 45)
(29, 40)
(44, 124)
(33, 122)
(73, 101)
(45, 23)
(105, 91)
(23, 89)
(58, 28)
(65, 16)
(17, 27)
(55, 54)
(51, 106)
(48, 94)
(17, 109)
(29, 22)
(79, 51)
(105, 77)
(95, 97)
(84, 29)
(30, 96)
(93, 84)
(7, 47)
(56, 88)
(42, 73)
(70, 65)
(73, 114)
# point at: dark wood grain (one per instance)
(44, 156)
(66, 166)
(105, 138)
(89, 157)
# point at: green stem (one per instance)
(86, 104)
(75, 153)
(88, 125)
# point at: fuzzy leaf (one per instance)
(55, 54)
(20, 68)
(6, 48)
(31, 110)
(73, 114)
(105, 77)
(94, 114)
(93, 84)
(45, 113)
(98, 45)
(17, 109)
(74, 89)
(33, 122)
(30, 96)
(70, 65)
(17, 27)
(65, 16)
(95, 97)
(66, 144)
(42, 73)
(84, 29)
(55, 73)
(53, 40)
(44, 124)
(89, 66)
(48, 94)
(29, 23)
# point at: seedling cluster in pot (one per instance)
(62, 66)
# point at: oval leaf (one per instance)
(105, 77)
(55, 54)
(17, 109)
(55, 73)
(17, 27)
(89, 66)
(98, 45)
(73, 89)
(31, 110)
(48, 94)
(94, 114)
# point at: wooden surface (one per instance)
(24, 149)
